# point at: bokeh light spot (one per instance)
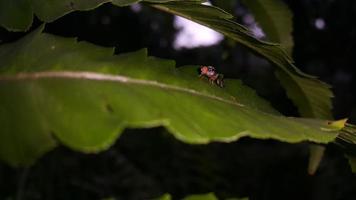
(192, 35)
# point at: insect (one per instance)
(212, 75)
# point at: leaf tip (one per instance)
(339, 124)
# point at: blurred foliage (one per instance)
(209, 196)
(144, 164)
(275, 19)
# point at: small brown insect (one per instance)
(212, 75)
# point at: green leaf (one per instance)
(55, 89)
(275, 18)
(312, 97)
(227, 5)
(316, 155)
(352, 162)
(48, 11)
(17, 15)
(348, 134)
(165, 197)
(209, 196)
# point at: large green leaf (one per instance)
(56, 89)
(275, 18)
(311, 96)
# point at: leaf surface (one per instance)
(56, 89)
(17, 15)
(311, 96)
(209, 196)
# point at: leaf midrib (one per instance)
(87, 75)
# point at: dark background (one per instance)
(147, 163)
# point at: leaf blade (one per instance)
(84, 97)
(16, 15)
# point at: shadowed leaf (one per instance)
(17, 15)
(275, 18)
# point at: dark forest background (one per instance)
(147, 163)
